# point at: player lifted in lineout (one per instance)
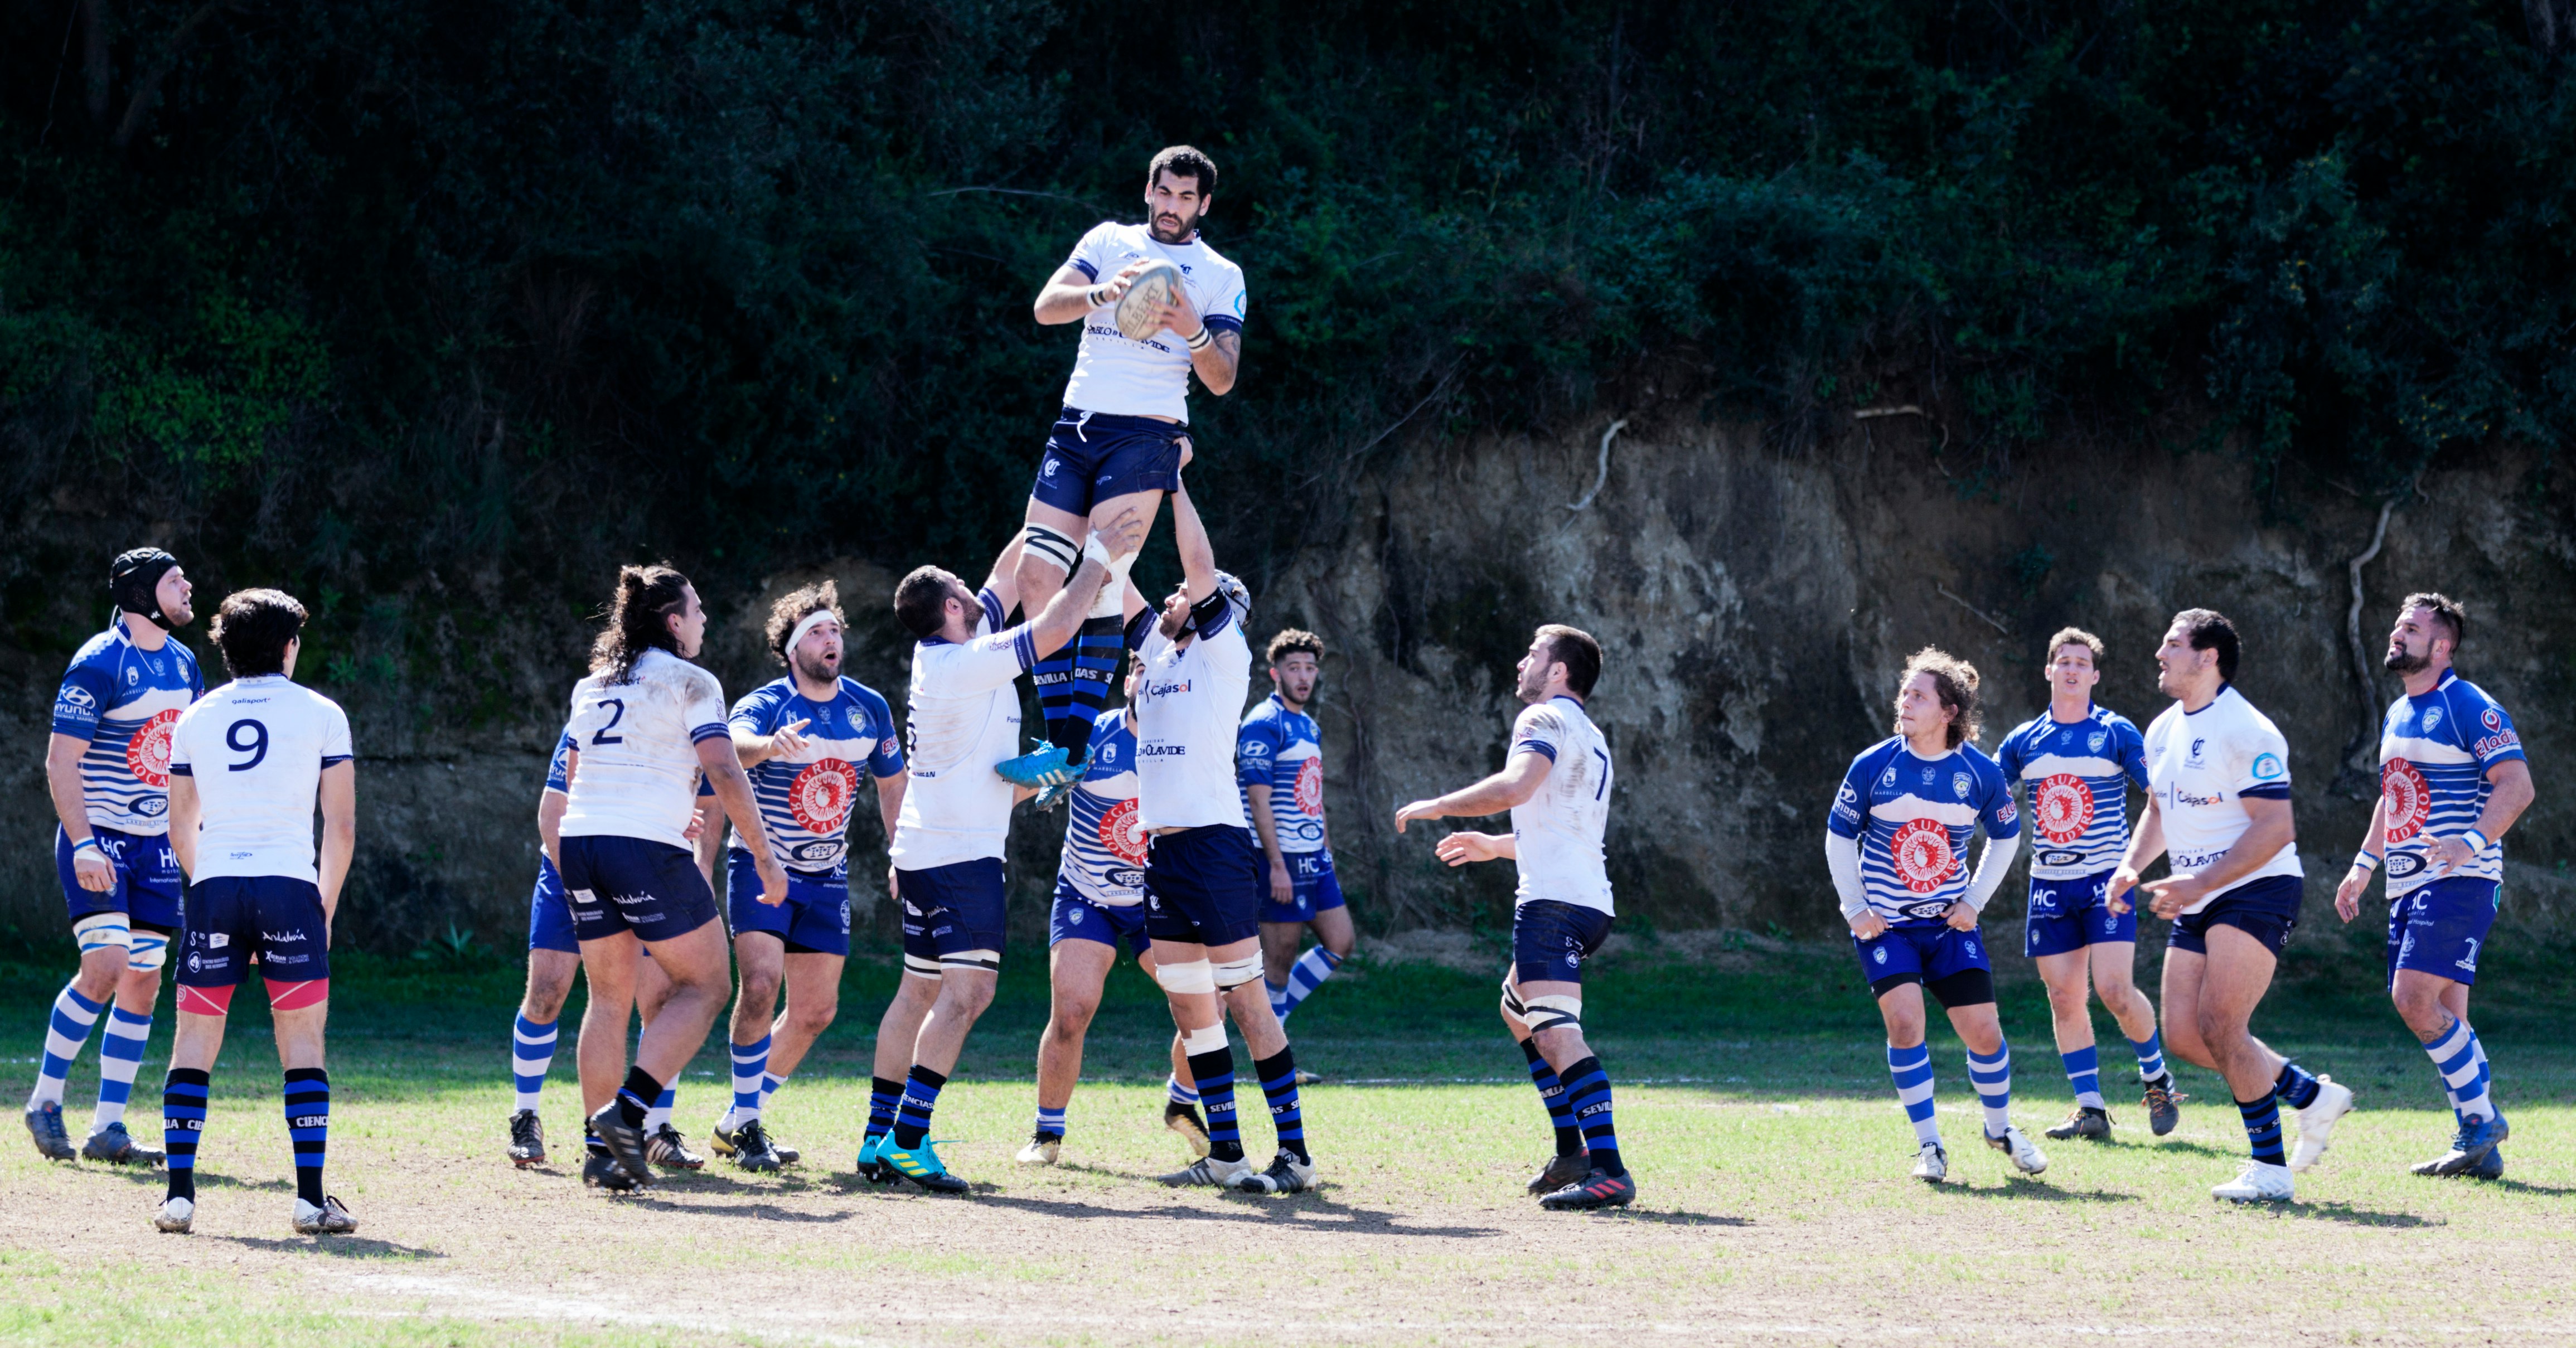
(1279, 755)
(108, 769)
(2218, 805)
(1157, 305)
(2452, 779)
(249, 764)
(1556, 781)
(804, 739)
(2078, 760)
(1896, 844)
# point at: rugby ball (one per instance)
(1140, 310)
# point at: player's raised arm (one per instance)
(1190, 537)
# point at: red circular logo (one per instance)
(1310, 788)
(147, 755)
(1921, 852)
(2409, 797)
(820, 796)
(1122, 834)
(2064, 805)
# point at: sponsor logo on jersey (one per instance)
(2006, 813)
(1310, 787)
(282, 937)
(1920, 854)
(2409, 799)
(2491, 719)
(1927, 911)
(216, 940)
(147, 755)
(2266, 767)
(820, 796)
(2060, 858)
(1162, 750)
(2192, 759)
(1847, 796)
(822, 852)
(2182, 797)
(2495, 744)
(75, 698)
(2062, 805)
(1255, 749)
(1123, 833)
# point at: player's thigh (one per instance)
(197, 1040)
(615, 965)
(2066, 973)
(1279, 942)
(1145, 503)
(1071, 524)
(813, 979)
(1901, 1008)
(1333, 930)
(299, 1035)
(1077, 970)
(761, 959)
(2238, 973)
(2115, 967)
(694, 959)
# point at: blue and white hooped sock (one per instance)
(120, 1056)
(2263, 1128)
(769, 1084)
(65, 1032)
(2084, 1073)
(2151, 1056)
(750, 1066)
(1306, 975)
(1050, 1123)
(2295, 1086)
(1993, 1078)
(660, 1113)
(2455, 1057)
(1912, 1069)
(308, 1128)
(1180, 1094)
(532, 1054)
(1278, 998)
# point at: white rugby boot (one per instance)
(2317, 1121)
(1209, 1172)
(330, 1219)
(1932, 1164)
(1042, 1150)
(2260, 1182)
(2016, 1144)
(175, 1215)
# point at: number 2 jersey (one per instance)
(805, 801)
(2434, 754)
(256, 749)
(123, 699)
(2079, 774)
(638, 745)
(1557, 833)
(1104, 838)
(1283, 750)
(1914, 817)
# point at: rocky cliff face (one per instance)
(1754, 607)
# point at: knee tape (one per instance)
(1513, 1006)
(1055, 549)
(1233, 974)
(146, 950)
(98, 931)
(1208, 1040)
(1554, 1013)
(915, 966)
(1192, 976)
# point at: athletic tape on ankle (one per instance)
(1548, 1013)
(1056, 549)
(1208, 1040)
(1233, 974)
(1185, 976)
(98, 931)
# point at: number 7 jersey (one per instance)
(1557, 833)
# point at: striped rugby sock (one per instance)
(750, 1074)
(183, 1122)
(883, 1098)
(1278, 1074)
(1993, 1080)
(2263, 1128)
(1551, 1093)
(2084, 1073)
(1912, 1069)
(920, 1097)
(120, 1056)
(1308, 974)
(65, 1032)
(1214, 1070)
(2151, 1056)
(532, 1055)
(308, 1128)
(1587, 1089)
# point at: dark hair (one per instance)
(2075, 636)
(921, 601)
(1184, 161)
(1954, 683)
(253, 628)
(2446, 610)
(1577, 651)
(1291, 640)
(646, 595)
(2209, 629)
(792, 607)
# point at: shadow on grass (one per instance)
(157, 1178)
(2193, 1148)
(336, 1247)
(1677, 1217)
(2349, 1215)
(1250, 1208)
(2525, 1187)
(2036, 1191)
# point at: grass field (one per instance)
(1753, 1103)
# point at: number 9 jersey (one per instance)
(256, 749)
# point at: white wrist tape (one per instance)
(1206, 336)
(2477, 841)
(2363, 861)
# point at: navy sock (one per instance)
(1092, 661)
(2294, 1086)
(1214, 1071)
(2263, 1128)
(308, 1127)
(883, 1095)
(1278, 1074)
(920, 1097)
(636, 1098)
(1551, 1093)
(1588, 1090)
(183, 1119)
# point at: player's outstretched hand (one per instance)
(1123, 532)
(1869, 926)
(2174, 893)
(2115, 896)
(2348, 894)
(1420, 809)
(1460, 848)
(784, 740)
(773, 879)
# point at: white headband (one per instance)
(810, 621)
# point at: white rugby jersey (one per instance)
(123, 699)
(1104, 843)
(2434, 753)
(1150, 378)
(638, 744)
(2079, 774)
(1186, 705)
(963, 720)
(256, 748)
(2201, 766)
(1558, 832)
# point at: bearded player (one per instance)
(1279, 756)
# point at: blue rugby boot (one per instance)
(1044, 766)
(921, 1167)
(2470, 1147)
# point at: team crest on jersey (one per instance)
(1310, 787)
(147, 755)
(820, 796)
(2097, 740)
(1879, 954)
(1109, 753)
(1927, 776)
(2192, 760)
(1959, 784)
(2409, 797)
(1888, 778)
(2432, 718)
(133, 677)
(1920, 853)
(2063, 807)
(1123, 833)
(2266, 767)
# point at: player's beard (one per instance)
(2399, 661)
(819, 671)
(1180, 236)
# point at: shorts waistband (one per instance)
(1122, 422)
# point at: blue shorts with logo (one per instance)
(549, 913)
(815, 919)
(235, 918)
(1092, 457)
(2070, 915)
(952, 917)
(1075, 918)
(2439, 928)
(1200, 885)
(1934, 954)
(1314, 887)
(1551, 939)
(148, 884)
(631, 884)
(2265, 909)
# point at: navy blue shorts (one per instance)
(629, 884)
(1075, 918)
(1952, 963)
(1091, 458)
(2439, 928)
(233, 919)
(1552, 938)
(549, 914)
(2266, 909)
(1201, 886)
(148, 884)
(952, 917)
(2070, 915)
(1314, 887)
(815, 919)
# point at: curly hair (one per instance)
(1954, 682)
(791, 608)
(1291, 640)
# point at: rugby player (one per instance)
(107, 767)
(1201, 879)
(1279, 756)
(1556, 782)
(1118, 444)
(2452, 779)
(2078, 760)
(2219, 804)
(554, 956)
(647, 722)
(1896, 844)
(803, 738)
(964, 722)
(249, 764)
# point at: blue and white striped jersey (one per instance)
(2078, 773)
(1914, 817)
(559, 767)
(123, 699)
(805, 802)
(1284, 750)
(2434, 754)
(1104, 840)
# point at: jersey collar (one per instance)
(2224, 688)
(2089, 709)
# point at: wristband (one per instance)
(91, 843)
(2364, 861)
(2478, 842)
(1091, 297)
(1206, 335)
